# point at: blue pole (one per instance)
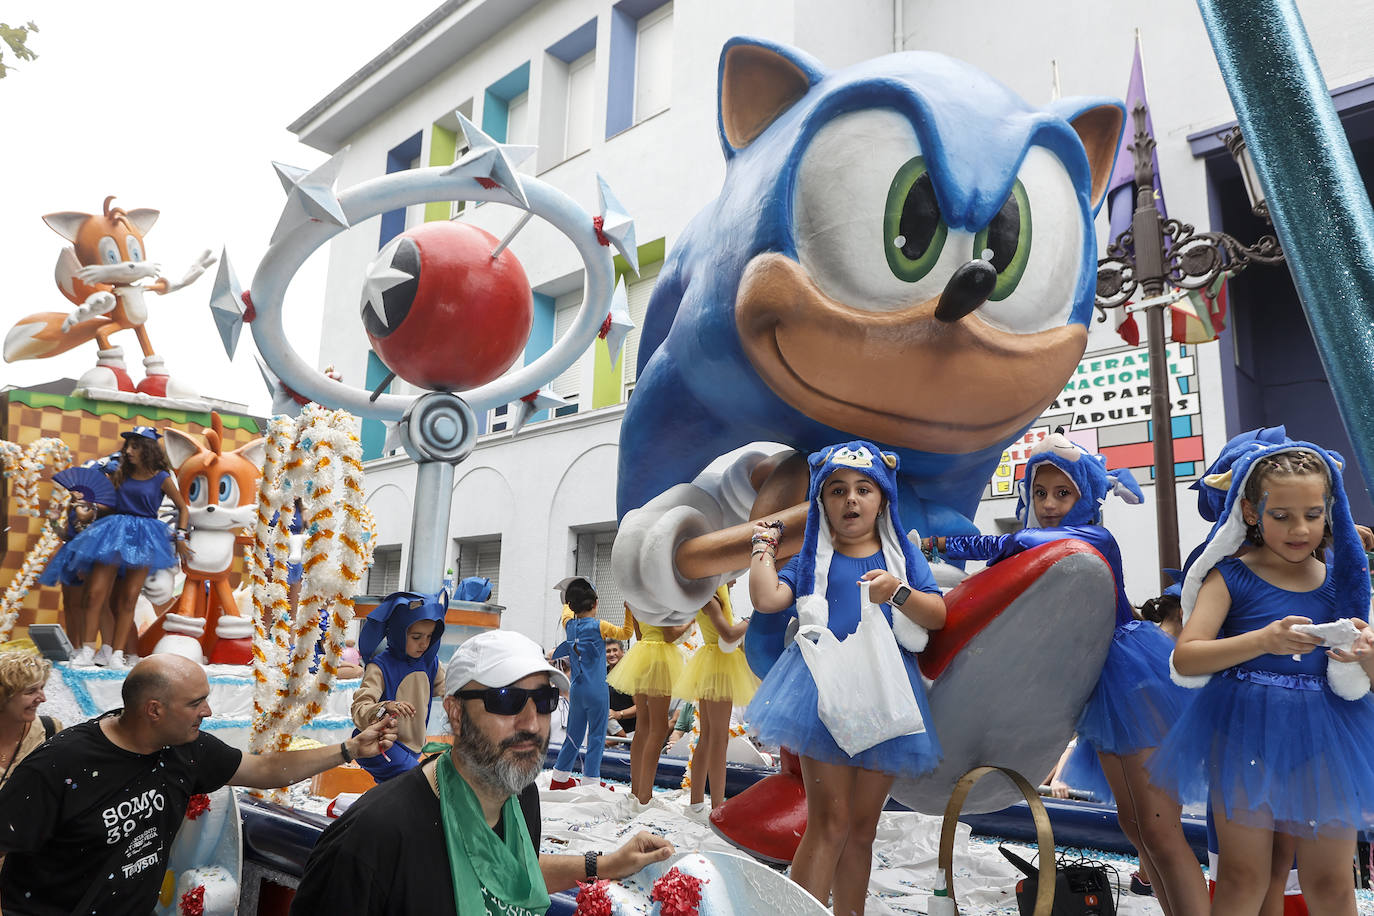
(1315, 195)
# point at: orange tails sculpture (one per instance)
(100, 272)
(222, 492)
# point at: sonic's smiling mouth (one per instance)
(902, 378)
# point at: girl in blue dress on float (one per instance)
(1133, 703)
(853, 534)
(1280, 736)
(115, 553)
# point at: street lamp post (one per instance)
(1161, 260)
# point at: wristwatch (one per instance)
(899, 596)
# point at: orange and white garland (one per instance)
(316, 459)
(23, 466)
(735, 732)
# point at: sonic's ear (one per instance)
(820, 458)
(890, 460)
(758, 82)
(1098, 123)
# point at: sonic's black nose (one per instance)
(967, 289)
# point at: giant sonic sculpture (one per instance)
(902, 251)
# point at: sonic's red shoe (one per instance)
(768, 818)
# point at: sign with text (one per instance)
(1105, 407)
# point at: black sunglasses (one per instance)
(508, 701)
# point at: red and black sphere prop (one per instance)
(461, 319)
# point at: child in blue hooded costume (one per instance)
(403, 678)
(853, 533)
(1282, 739)
(1134, 703)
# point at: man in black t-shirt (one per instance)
(443, 832)
(621, 720)
(87, 820)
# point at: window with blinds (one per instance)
(567, 385)
(480, 557)
(654, 63)
(593, 562)
(638, 294)
(385, 575)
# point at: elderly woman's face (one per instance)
(23, 706)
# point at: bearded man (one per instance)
(460, 833)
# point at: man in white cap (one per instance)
(460, 833)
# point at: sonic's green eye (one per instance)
(1008, 236)
(913, 230)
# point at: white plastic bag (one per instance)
(864, 697)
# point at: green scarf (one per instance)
(477, 857)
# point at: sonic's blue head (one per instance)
(903, 251)
(1087, 472)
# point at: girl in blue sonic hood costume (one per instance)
(1134, 702)
(1283, 739)
(852, 533)
(402, 679)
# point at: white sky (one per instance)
(182, 107)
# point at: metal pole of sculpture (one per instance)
(1313, 188)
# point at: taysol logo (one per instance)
(134, 868)
(122, 819)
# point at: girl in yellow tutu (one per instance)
(648, 672)
(717, 679)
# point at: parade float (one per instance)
(780, 255)
(784, 117)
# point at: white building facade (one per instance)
(628, 90)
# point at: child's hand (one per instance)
(399, 708)
(1278, 638)
(1363, 648)
(882, 585)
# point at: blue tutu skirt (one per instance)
(783, 712)
(1134, 703)
(131, 541)
(57, 571)
(1276, 750)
